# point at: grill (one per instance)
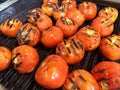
(15, 81)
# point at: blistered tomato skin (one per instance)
(28, 35)
(103, 25)
(72, 50)
(51, 37)
(107, 75)
(110, 47)
(76, 15)
(88, 9)
(52, 72)
(5, 58)
(24, 58)
(109, 13)
(53, 1)
(67, 25)
(10, 27)
(89, 37)
(80, 80)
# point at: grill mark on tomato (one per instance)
(81, 77)
(73, 22)
(68, 50)
(73, 49)
(100, 71)
(110, 25)
(64, 41)
(3, 22)
(63, 20)
(112, 43)
(75, 44)
(104, 21)
(17, 20)
(74, 85)
(81, 45)
(8, 24)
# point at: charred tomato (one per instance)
(52, 72)
(24, 58)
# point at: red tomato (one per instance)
(109, 12)
(67, 25)
(70, 4)
(52, 72)
(51, 37)
(28, 35)
(76, 15)
(107, 75)
(5, 58)
(10, 27)
(88, 9)
(89, 37)
(80, 80)
(110, 47)
(72, 50)
(49, 7)
(53, 1)
(25, 58)
(103, 25)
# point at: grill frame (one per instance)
(15, 81)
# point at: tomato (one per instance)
(51, 37)
(107, 75)
(72, 50)
(53, 1)
(70, 4)
(52, 72)
(49, 7)
(88, 9)
(5, 58)
(44, 22)
(76, 15)
(109, 12)
(24, 58)
(80, 79)
(110, 47)
(89, 37)
(28, 35)
(10, 27)
(67, 25)
(60, 12)
(103, 25)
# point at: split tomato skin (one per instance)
(80, 79)
(52, 72)
(103, 25)
(51, 37)
(89, 37)
(24, 58)
(107, 75)
(5, 58)
(110, 47)
(88, 9)
(10, 27)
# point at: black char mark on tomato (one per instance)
(67, 21)
(17, 62)
(11, 22)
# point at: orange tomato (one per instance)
(53, 1)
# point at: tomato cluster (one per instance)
(69, 42)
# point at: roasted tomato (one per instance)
(103, 25)
(107, 75)
(28, 35)
(109, 12)
(5, 58)
(88, 9)
(60, 12)
(70, 4)
(76, 15)
(110, 47)
(67, 25)
(49, 7)
(51, 37)
(53, 1)
(89, 37)
(72, 50)
(52, 72)
(80, 80)
(24, 58)
(10, 27)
